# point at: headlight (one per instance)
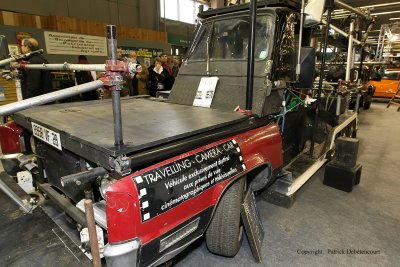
(104, 184)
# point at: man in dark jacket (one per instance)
(34, 82)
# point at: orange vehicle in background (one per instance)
(387, 84)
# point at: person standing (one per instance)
(85, 77)
(139, 80)
(157, 77)
(127, 86)
(165, 65)
(119, 53)
(35, 82)
(175, 67)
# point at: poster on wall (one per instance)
(21, 36)
(141, 52)
(14, 49)
(75, 44)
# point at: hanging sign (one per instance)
(75, 44)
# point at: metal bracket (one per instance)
(121, 165)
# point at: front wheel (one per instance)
(224, 235)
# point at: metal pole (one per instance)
(50, 97)
(26, 207)
(350, 52)
(338, 104)
(350, 8)
(6, 61)
(250, 61)
(300, 40)
(65, 66)
(360, 67)
(115, 90)
(321, 74)
(340, 32)
(208, 54)
(91, 224)
(20, 56)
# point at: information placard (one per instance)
(168, 186)
(75, 44)
(205, 92)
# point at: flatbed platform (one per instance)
(88, 127)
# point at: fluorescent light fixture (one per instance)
(394, 18)
(385, 13)
(379, 5)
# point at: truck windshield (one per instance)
(229, 39)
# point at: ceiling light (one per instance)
(386, 4)
(385, 13)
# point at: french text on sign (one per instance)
(183, 178)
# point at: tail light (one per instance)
(13, 138)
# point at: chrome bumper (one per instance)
(124, 254)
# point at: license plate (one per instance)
(50, 137)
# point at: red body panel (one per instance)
(258, 146)
(9, 138)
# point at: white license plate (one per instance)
(50, 137)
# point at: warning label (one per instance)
(165, 187)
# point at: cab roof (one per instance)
(292, 4)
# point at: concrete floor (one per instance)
(324, 219)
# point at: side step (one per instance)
(297, 173)
(301, 168)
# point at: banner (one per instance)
(75, 44)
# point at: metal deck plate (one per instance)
(146, 123)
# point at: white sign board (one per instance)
(205, 92)
(47, 135)
(75, 44)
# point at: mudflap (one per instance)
(252, 224)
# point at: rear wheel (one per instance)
(224, 235)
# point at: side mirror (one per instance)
(313, 12)
(307, 67)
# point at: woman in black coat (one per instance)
(159, 78)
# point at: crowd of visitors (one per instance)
(160, 76)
